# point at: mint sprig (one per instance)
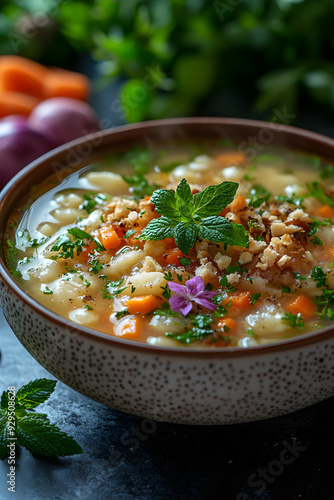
(20, 424)
(187, 217)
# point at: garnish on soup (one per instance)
(211, 251)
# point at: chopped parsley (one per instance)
(318, 192)
(122, 313)
(96, 266)
(129, 233)
(258, 196)
(313, 226)
(67, 245)
(317, 241)
(254, 297)
(224, 282)
(293, 200)
(293, 320)
(298, 276)
(319, 276)
(91, 200)
(250, 332)
(111, 289)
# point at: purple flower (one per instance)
(193, 291)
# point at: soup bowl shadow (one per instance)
(180, 385)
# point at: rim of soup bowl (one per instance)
(294, 138)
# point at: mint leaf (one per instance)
(164, 201)
(221, 230)
(43, 438)
(183, 194)
(185, 235)
(213, 199)
(33, 430)
(158, 229)
(35, 392)
(4, 401)
(4, 436)
(187, 217)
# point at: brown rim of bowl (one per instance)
(292, 137)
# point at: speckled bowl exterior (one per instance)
(218, 386)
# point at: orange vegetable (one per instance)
(142, 304)
(302, 305)
(326, 211)
(240, 300)
(62, 83)
(109, 237)
(130, 329)
(230, 324)
(86, 251)
(172, 256)
(232, 158)
(19, 74)
(239, 203)
(16, 103)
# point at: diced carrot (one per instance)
(130, 329)
(62, 83)
(239, 203)
(228, 325)
(169, 242)
(19, 74)
(225, 211)
(109, 237)
(172, 256)
(302, 305)
(142, 304)
(16, 103)
(240, 300)
(232, 158)
(326, 211)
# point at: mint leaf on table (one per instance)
(20, 424)
(43, 438)
(187, 217)
(4, 437)
(35, 392)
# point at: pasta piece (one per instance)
(83, 316)
(66, 215)
(121, 264)
(46, 272)
(113, 183)
(146, 283)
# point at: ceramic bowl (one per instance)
(220, 386)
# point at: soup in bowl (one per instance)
(174, 272)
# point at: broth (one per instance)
(77, 249)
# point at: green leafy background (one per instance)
(172, 56)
